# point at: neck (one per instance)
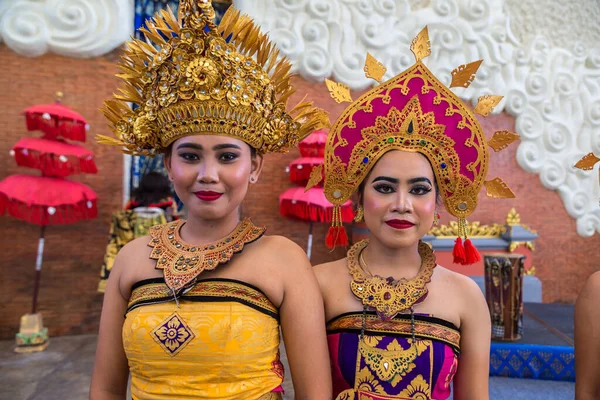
(402, 262)
(200, 231)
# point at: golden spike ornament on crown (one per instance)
(191, 77)
(414, 111)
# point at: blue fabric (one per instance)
(556, 363)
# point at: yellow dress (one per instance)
(221, 342)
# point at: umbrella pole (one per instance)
(310, 238)
(38, 270)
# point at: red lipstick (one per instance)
(399, 224)
(207, 195)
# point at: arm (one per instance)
(587, 340)
(472, 377)
(109, 379)
(303, 326)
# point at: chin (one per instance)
(399, 239)
(207, 211)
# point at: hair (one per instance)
(154, 187)
(438, 198)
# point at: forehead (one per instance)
(209, 141)
(402, 164)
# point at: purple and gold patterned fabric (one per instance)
(386, 364)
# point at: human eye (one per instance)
(189, 157)
(420, 190)
(384, 188)
(228, 157)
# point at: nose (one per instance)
(402, 203)
(208, 171)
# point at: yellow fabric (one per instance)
(125, 226)
(203, 349)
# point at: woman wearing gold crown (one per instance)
(203, 299)
(400, 326)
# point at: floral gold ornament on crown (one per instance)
(192, 77)
(416, 112)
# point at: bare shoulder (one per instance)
(136, 249)
(590, 294)
(279, 248)
(592, 285)
(133, 264)
(327, 272)
(459, 284)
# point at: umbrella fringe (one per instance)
(56, 126)
(38, 214)
(311, 212)
(51, 165)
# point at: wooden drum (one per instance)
(504, 294)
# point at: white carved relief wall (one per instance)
(72, 28)
(542, 55)
(545, 61)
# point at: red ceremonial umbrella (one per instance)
(56, 120)
(310, 205)
(54, 157)
(43, 200)
(49, 199)
(314, 144)
(301, 167)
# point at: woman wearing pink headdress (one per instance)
(400, 326)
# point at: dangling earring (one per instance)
(359, 214)
(436, 218)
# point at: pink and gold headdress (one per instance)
(414, 112)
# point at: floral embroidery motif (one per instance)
(418, 389)
(367, 382)
(173, 334)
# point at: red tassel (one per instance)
(336, 236)
(472, 255)
(459, 252)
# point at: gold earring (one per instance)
(359, 214)
(436, 218)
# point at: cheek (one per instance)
(375, 204)
(427, 206)
(182, 172)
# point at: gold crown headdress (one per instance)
(192, 77)
(414, 112)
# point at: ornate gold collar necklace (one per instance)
(386, 296)
(182, 262)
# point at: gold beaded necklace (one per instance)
(387, 296)
(182, 262)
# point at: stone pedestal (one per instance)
(32, 336)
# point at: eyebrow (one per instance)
(396, 181)
(196, 146)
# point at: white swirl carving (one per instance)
(72, 28)
(553, 174)
(551, 85)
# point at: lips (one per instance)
(206, 195)
(399, 224)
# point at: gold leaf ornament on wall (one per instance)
(374, 69)
(338, 91)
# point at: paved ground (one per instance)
(63, 372)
